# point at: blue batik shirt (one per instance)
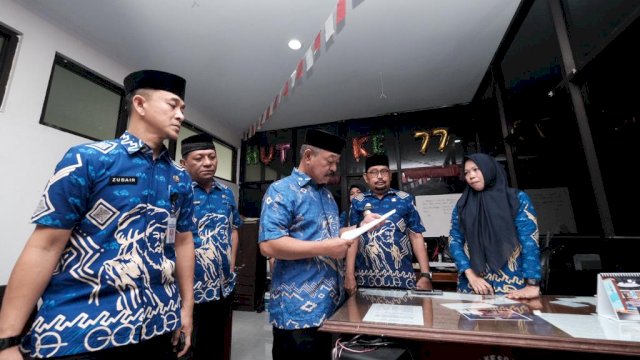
(523, 263)
(385, 255)
(216, 216)
(114, 284)
(304, 292)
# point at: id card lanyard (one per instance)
(173, 218)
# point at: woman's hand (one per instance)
(527, 292)
(479, 285)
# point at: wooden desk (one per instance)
(447, 326)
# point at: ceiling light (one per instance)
(295, 44)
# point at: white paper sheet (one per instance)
(581, 326)
(447, 295)
(571, 304)
(466, 306)
(395, 314)
(580, 299)
(384, 292)
(352, 234)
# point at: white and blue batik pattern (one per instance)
(385, 255)
(215, 215)
(523, 263)
(304, 292)
(113, 284)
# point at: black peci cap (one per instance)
(375, 160)
(157, 80)
(196, 142)
(325, 140)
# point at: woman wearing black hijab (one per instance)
(494, 234)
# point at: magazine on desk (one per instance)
(619, 296)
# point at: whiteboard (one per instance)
(555, 214)
(435, 212)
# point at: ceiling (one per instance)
(387, 56)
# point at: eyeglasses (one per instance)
(376, 173)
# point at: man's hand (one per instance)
(12, 353)
(369, 218)
(181, 339)
(424, 284)
(350, 284)
(336, 247)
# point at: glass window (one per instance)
(82, 102)
(543, 131)
(225, 153)
(8, 44)
(591, 23)
(613, 110)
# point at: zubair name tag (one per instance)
(123, 180)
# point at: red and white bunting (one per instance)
(341, 11)
(329, 28)
(308, 58)
(276, 102)
(300, 69)
(263, 119)
(317, 42)
(270, 110)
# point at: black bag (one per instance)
(362, 347)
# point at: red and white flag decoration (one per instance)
(317, 42)
(341, 11)
(308, 58)
(300, 69)
(329, 29)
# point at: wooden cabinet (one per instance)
(251, 268)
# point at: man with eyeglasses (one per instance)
(384, 256)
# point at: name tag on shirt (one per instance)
(123, 180)
(171, 229)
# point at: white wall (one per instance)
(29, 151)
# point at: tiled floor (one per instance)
(252, 338)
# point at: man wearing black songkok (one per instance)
(299, 227)
(384, 257)
(216, 242)
(98, 255)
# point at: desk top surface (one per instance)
(543, 323)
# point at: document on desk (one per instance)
(448, 295)
(468, 306)
(395, 314)
(394, 293)
(580, 299)
(581, 326)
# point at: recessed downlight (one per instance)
(295, 44)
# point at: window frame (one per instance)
(7, 56)
(96, 79)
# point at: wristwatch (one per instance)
(12, 341)
(427, 275)
(532, 282)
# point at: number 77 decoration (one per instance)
(426, 135)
